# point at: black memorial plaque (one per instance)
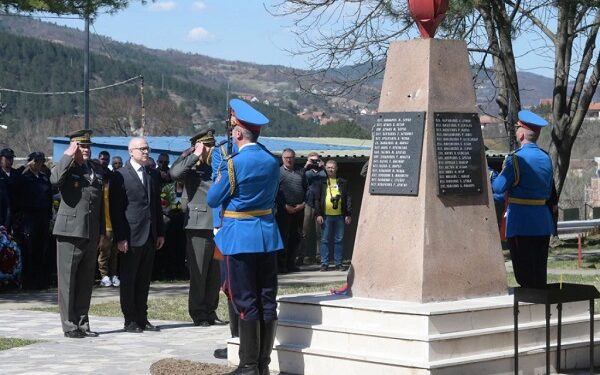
(458, 143)
(397, 145)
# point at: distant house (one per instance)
(316, 117)
(546, 102)
(592, 194)
(492, 127)
(593, 112)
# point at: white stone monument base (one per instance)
(326, 334)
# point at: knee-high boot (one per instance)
(268, 329)
(249, 348)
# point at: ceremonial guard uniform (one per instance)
(246, 186)
(79, 223)
(204, 270)
(527, 177)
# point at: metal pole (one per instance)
(86, 75)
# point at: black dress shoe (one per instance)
(218, 322)
(75, 334)
(133, 327)
(220, 353)
(88, 333)
(150, 327)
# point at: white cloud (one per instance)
(199, 6)
(163, 6)
(199, 34)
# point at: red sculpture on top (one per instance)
(428, 14)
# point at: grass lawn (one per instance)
(176, 307)
(8, 343)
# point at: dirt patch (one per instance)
(171, 366)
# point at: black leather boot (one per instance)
(249, 348)
(268, 329)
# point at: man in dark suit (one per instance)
(79, 223)
(195, 173)
(137, 221)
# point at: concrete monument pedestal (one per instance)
(325, 334)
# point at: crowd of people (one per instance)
(236, 227)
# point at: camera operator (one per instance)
(314, 171)
(333, 210)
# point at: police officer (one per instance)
(35, 200)
(79, 223)
(247, 187)
(195, 173)
(527, 177)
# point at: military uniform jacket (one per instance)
(80, 213)
(529, 180)
(196, 182)
(255, 173)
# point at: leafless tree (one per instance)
(334, 34)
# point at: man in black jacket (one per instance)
(333, 211)
(137, 221)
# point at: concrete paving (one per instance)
(114, 351)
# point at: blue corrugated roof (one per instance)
(117, 146)
(179, 144)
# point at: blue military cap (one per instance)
(247, 116)
(531, 121)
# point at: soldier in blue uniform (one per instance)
(246, 187)
(527, 176)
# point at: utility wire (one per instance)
(99, 37)
(71, 92)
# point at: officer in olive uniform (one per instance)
(195, 173)
(79, 223)
(246, 188)
(527, 177)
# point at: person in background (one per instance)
(116, 163)
(290, 210)
(314, 171)
(34, 192)
(333, 211)
(9, 176)
(163, 168)
(108, 254)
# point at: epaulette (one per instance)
(266, 149)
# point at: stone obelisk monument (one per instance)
(427, 230)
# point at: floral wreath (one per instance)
(10, 256)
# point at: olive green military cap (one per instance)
(206, 136)
(83, 137)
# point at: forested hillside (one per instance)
(174, 100)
